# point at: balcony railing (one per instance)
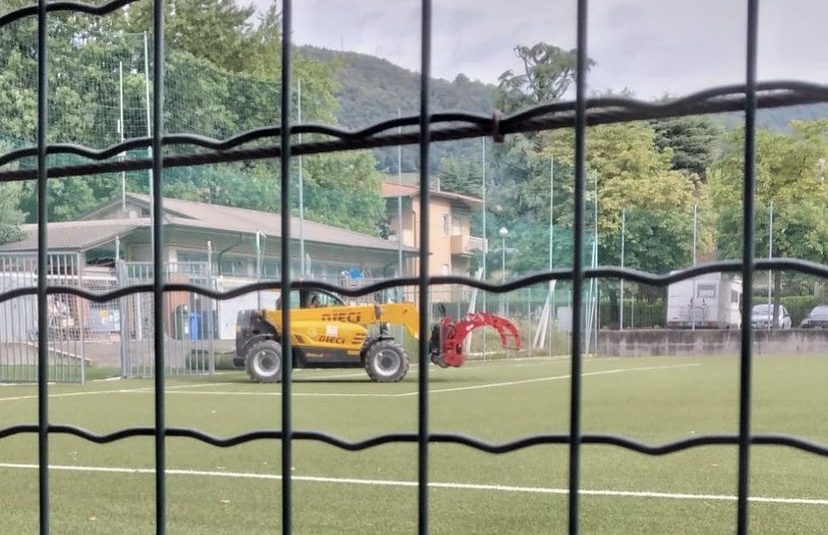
(465, 245)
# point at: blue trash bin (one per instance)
(195, 323)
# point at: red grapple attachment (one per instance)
(446, 344)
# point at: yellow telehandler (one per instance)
(326, 332)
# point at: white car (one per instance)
(760, 317)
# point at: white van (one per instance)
(710, 301)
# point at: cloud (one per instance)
(649, 46)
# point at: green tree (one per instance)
(634, 176)
(18, 107)
(636, 187)
(343, 190)
(695, 142)
(521, 177)
(10, 215)
(218, 31)
(215, 91)
(548, 71)
(790, 181)
(460, 176)
(790, 173)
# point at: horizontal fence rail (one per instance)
(422, 130)
(384, 134)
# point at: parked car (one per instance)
(761, 317)
(817, 318)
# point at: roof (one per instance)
(75, 235)
(88, 233)
(391, 190)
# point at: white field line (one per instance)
(436, 485)
(142, 390)
(181, 389)
(277, 393)
(309, 374)
(554, 378)
(433, 391)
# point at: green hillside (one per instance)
(780, 118)
(373, 90)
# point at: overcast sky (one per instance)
(649, 46)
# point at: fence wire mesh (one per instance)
(644, 294)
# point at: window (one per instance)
(456, 227)
(230, 265)
(324, 299)
(707, 291)
(446, 228)
(270, 268)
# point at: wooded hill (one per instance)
(779, 119)
(373, 89)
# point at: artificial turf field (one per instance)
(110, 488)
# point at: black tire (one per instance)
(264, 361)
(386, 361)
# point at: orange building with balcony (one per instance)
(451, 243)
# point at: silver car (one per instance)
(817, 318)
(761, 317)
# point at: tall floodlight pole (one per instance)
(623, 239)
(693, 284)
(485, 238)
(258, 266)
(551, 207)
(770, 272)
(302, 266)
(591, 314)
(503, 232)
(121, 132)
(400, 269)
(551, 299)
(594, 282)
(485, 235)
(481, 272)
(149, 121)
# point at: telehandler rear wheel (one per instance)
(386, 361)
(264, 361)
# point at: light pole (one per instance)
(503, 232)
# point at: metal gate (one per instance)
(190, 321)
(115, 337)
(19, 334)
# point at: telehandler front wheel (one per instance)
(264, 361)
(386, 361)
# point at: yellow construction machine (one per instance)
(326, 332)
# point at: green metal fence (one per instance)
(422, 130)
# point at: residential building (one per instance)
(451, 244)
